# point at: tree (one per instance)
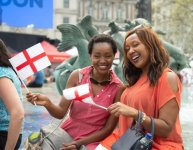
(175, 17)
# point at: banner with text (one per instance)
(27, 13)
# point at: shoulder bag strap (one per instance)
(138, 121)
(152, 127)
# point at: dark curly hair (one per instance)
(159, 57)
(4, 55)
(102, 38)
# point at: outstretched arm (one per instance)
(57, 111)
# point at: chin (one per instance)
(138, 65)
(103, 71)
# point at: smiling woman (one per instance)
(93, 123)
(152, 88)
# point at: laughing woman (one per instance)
(153, 88)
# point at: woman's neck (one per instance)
(100, 77)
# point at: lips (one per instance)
(135, 58)
(103, 67)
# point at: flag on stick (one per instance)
(29, 61)
(80, 93)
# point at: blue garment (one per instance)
(4, 114)
(39, 77)
(39, 80)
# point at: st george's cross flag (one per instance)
(29, 61)
(80, 93)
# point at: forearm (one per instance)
(95, 137)
(166, 120)
(56, 110)
(162, 129)
(14, 131)
(99, 135)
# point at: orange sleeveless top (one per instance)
(150, 99)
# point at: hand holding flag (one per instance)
(80, 93)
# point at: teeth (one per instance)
(135, 57)
(102, 67)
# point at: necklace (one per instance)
(102, 83)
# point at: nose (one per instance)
(131, 50)
(102, 59)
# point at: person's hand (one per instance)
(37, 99)
(119, 108)
(71, 146)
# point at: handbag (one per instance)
(130, 140)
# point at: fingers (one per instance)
(31, 98)
(115, 109)
(114, 106)
(119, 108)
(115, 112)
(68, 147)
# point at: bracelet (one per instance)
(143, 117)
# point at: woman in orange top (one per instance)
(152, 88)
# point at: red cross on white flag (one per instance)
(80, 93)
(29, 61)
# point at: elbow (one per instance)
(59, 117)
(110, 129)
(167, 132)
(18, 115)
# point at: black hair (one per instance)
(100, 38)
(4, 55)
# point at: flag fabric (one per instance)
(80, 93)
(29, 61)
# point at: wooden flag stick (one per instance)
(27, 90)
(100, 106)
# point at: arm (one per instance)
(167, 118)
(13, 103)
(104, 132)
(57, 111)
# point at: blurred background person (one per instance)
(37, 79)
(49, 74)
(11, 109)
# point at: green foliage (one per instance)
(175, 17)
